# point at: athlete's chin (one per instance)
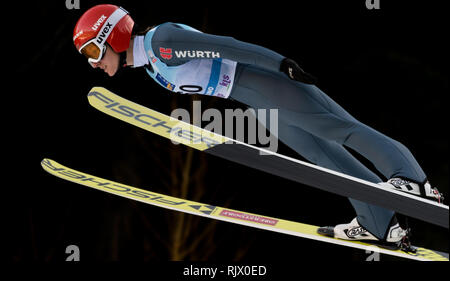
(111, 71)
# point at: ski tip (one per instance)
(45, 163)
(97, 88)
(97, 91)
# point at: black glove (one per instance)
(295, 72)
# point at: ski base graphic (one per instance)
(224, 214)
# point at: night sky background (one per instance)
(387, 67)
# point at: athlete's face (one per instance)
(110, 62)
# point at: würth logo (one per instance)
(166, 53)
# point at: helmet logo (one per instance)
(104, 34)
(77, 35)
(98, 23)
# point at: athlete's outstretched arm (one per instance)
(185, 45)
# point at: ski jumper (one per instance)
(185, 60)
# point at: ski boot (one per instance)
(423, 190)
(396, 237)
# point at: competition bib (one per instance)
(213, 77)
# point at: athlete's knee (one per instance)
(337, 129)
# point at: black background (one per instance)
(387, 67)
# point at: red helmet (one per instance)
(100, 24)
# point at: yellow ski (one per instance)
(224, 214)
(273, 163)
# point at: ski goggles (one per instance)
(95, 48)
(93, 52)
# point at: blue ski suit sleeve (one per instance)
(185, 45)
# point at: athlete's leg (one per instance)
(334, 156)
(316, 127)
(307, 107)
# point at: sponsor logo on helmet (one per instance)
(77, 35)
(98, 23)
(104, 33)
